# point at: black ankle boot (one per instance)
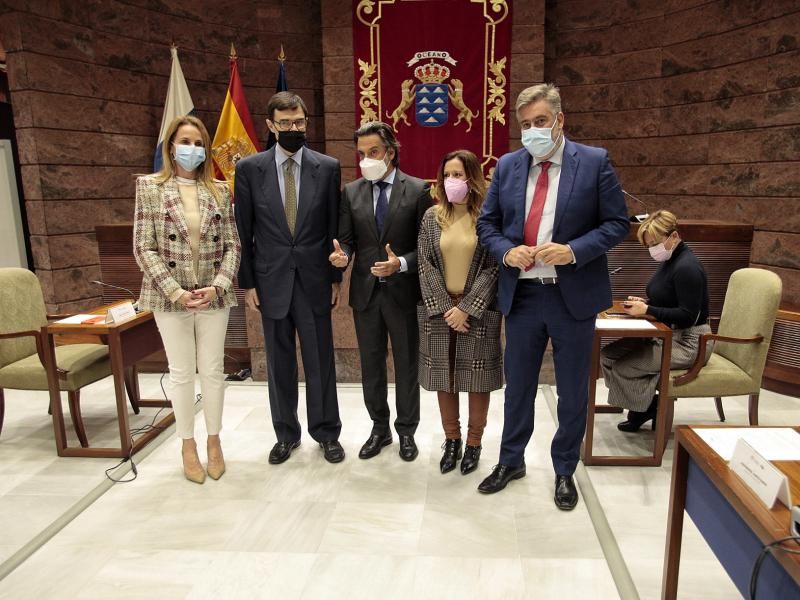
(472, 455)
(637, 419)
(450, 456)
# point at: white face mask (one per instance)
(373, 169)
(539, 140)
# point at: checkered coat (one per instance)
(162, 248)
(479, 359)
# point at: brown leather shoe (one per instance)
(216, 462)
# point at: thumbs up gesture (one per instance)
(338, 257)
(388, 267)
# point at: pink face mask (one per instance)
(660, 253)
(456, 190)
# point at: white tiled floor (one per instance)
(359, 529)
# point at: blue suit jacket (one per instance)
(590, 216)
(270, 253)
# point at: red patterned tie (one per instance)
(537, 206)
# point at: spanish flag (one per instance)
(235, 137)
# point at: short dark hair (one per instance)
(383, 131)
(285, 101)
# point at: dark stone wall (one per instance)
(698, 103)
(88, 79)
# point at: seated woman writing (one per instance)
(677, 295)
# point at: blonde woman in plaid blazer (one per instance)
(186, 244)
(459, 329)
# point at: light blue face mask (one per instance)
(189, 156)
(538, 141)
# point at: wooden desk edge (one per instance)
(768, 524)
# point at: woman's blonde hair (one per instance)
(205, 173)
(659, 225)
(475, 181)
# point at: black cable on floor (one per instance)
(139, 431)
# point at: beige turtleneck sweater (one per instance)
(458, 244)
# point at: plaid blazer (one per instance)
(162, 248)
(478, 356)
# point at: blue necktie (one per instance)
(382, 208)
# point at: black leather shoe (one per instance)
(408, 448)
(450, 456)
(333, 451)
(282, 451)
(566, 496)
(636, 419)
(372, 447)
(500, 477)
(472, 455)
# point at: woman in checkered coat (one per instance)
(459, 329)
(186, 244)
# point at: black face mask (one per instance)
(291, 141)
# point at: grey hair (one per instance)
(543, 91)
(384, 132)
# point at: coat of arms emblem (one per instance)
(432, 94)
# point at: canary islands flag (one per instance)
(236, 136)
(179, 103)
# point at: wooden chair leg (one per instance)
(753, 410)
(718, 404)
(670, 419)
(132, 387)
(77, 419)
(2, 409)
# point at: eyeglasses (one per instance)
(287, 124)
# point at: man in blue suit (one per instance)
(553, 210)
(287, 213)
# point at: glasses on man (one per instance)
(287, 124)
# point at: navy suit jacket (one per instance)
(271, 255)
(590, 216)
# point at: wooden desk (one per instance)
(661, 331)
(731, 518)
(128, 343)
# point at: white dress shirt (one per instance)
(376, 191)
(549, 213)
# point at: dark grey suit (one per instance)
(293, 278)
(381, 309)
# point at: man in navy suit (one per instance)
(287, 213)
(553, 210)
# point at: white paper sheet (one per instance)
(773, 443)
(76, 319)
(623, 324)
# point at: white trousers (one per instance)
(195, 343)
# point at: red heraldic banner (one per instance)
(438, 71)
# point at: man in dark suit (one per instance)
(287, 206)
(553, 210)
(379, 221)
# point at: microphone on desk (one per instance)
(638, 218)
(118, 287)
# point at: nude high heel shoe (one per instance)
(216, 462)
(192, 469)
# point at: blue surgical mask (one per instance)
(539, 140)
(189, 156)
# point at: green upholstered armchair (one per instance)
(22, 319)
(740, 345)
